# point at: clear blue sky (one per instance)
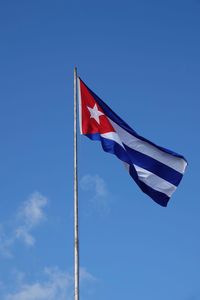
(142, 58)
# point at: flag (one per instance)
(156, 170)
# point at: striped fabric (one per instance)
(156, 170)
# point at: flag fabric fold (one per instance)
(156, 170)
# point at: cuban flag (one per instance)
(156, 170)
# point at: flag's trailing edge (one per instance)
(156, 170)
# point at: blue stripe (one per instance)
(115, 118)
(131, 156)
(110, 147)
(154, 166)
(114, 148)
(157, 196)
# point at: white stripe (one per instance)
(155, 182)
(80, 105)
(132, 142)
(112, 136)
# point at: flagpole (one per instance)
(76, 238)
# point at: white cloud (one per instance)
(6, 243)
(25, 236)
(32, 209)
(100, 198)
(86, 276)
(28, 217)
(57, 285)
(95, 183)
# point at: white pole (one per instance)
(76, 239)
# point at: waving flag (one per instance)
(156, 170)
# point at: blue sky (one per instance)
(142, 58)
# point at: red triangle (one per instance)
(90, 125)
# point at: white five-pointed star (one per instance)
(95, 113)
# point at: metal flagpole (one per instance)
(76, 239)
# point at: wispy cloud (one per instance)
(94, 183)
(6, 242)
(56, 284)
(30, 215)
(86, 276)
(99, 197)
